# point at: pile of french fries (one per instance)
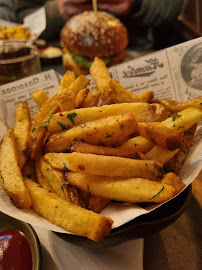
(19, 32)
(78, 155)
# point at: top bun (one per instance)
(94, 34)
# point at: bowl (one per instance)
(8, 223)
(140, 227)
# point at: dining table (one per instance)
(177, 246)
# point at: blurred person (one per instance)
(149, 22)
(7, 10)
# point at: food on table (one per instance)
(91, 34)
(78, 158)
(15, 32)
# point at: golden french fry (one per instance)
(175, 163)
(162, 136)
(105, 165)
(119, 94)
(144, 144)
(160, 155)
(130, 152)
(146, 96)
(92, 98)
(160, 112)
(80, 97)
(28, 169)
(108, 131)
(11, 176)
(175, 107)
(66, 80)
(100, 75)
(174, 181)
(59, 184)
(22, 131)
(39, 176)
(66, 96)
(183, 120)
(97, 203)
(131, 190)
(68, 216)
(40, 97)
(39, 126)
(142, 112)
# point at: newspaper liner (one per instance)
(174, 73)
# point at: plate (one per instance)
(9, 223)
(140, 227)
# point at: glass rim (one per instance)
(15, 44)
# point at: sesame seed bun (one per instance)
(94, 34)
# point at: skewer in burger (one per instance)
(91, 34)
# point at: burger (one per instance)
(91, 34)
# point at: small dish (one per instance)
(8, 223)
(140, 227)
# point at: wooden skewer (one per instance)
(94, 5)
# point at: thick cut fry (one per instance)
(92, 98)
(162, 136)
(68, 216)
(175, 163)
(160, 155)
(22, 131)
(58, 183)
(39, 127)
(39, 176)
(144, 144)
(183, 120)
(174, 106)
(40, 97)
(97, 203)
(146, 96)
(80, 97)
(160, 112)
(131, 190)
(130, 152)
(108, 131)
(142, 112)
(174, 181)
(66, 96)
(11, 175)
(66, 80)
(105, 165)
(119, 94)
(100, 75)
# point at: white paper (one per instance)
(172, 73)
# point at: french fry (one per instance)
(92, 98)
(144, 144)
(39, 126)
(66, 96)
(40, 97)
(22, 131)
(162, 136)
(68, 216)
(59, 185)
(142, 112)
(183, 120)
(101, 77)
(41, 180)
(173, 180)
(160, 112)
(11, 176)
(130, 152)
(175, 107)
(131, 190)
(160, 155)
(28, 169)
(119, 94)
(80, 97)
(108, 131)
(66, 80)
(97, 203)
(146, 96)
(175, 163)
(105, 165)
